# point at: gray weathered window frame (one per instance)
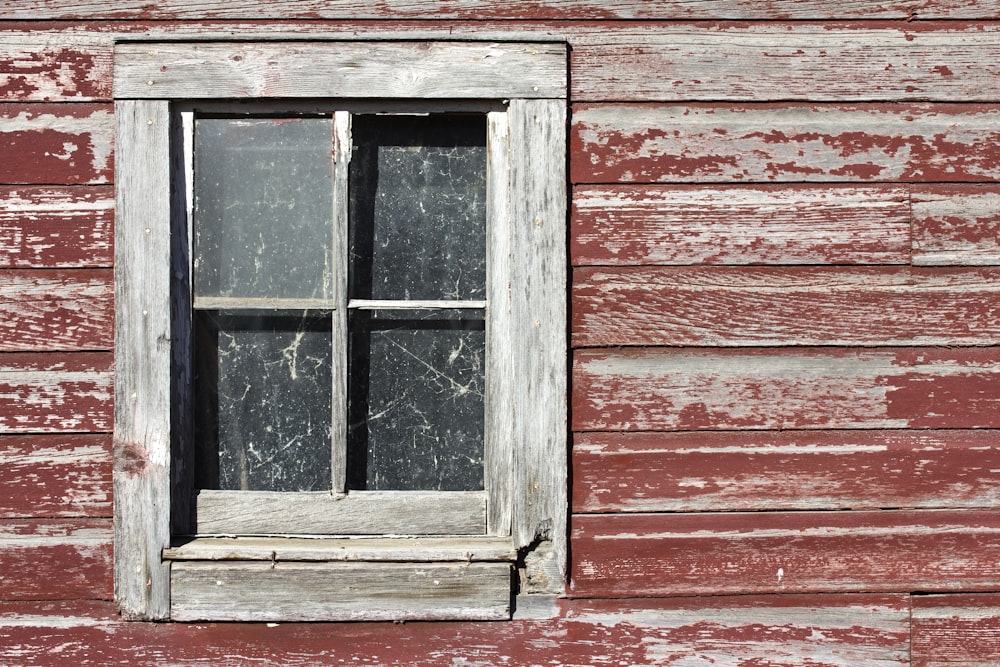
(246, 572)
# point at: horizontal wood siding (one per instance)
(771, 552)
(785, 470)
(55, 559)
(56, 310)
(956, 630)
(956, 225)
(56, 227)
(50, 393)
(56, 144)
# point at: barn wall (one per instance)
(785, 335)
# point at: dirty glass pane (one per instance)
(418, 207)
(263, 207)
(416, 409)
(264, 399)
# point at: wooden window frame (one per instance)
(238, 571)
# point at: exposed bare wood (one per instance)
(627, 225)
(340, 591)
(829, 630)
(375, 549)
(41, 66)
(55, 476)
(56, 144)
(56, 310)
(787, 62)
(956, 224)
(142, 359)
(955, 629)
(785, 306)
(55, 559)
(429, 70)
(56, 227)
(358, 512)
(48, 393)
(784, 143)
(638, 555)
(480, 9)
(808, 388)
(785, 470)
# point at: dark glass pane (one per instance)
(263, 207)
(416, 409)
(418, 207)
(264, 400)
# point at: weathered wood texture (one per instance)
(479, 9)
(784, 143)
(637, 555)
(808, 388)
(817, 630)
(785, 306)
(56, 144)
(52, 392)
(41, 66)
(43, 228)
(56, 310)
(834, 470)
(55, 476)
(955, 629)
(55, 560)
(626, 225)
(956, 225)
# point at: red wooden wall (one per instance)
(785, 334)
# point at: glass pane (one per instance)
(418, 207)
(416, 408)
(263, 207)
(264, 400)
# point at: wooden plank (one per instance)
(56, 310)
(785, 306)
(808, 388)
(430, 70)
(956, 629)
(956, 225)
(339, 591)
(55, 476)
(48, 393)
(356, 513)
(46, 228)
(639, 555)
(481, 9)
(621, 225)
(374, 549)
(827, 630)
(764, 62)
(51, 66)
(784, 143)
(143, 381)
(785, 470)
(56, 144)
(55, 560)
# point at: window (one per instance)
(340, 331)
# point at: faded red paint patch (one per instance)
(56, 75)
(130, 458)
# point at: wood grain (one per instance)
(45, 228)
(784, 143)
(623, 225)
(785, 306)
(55, 559)
(56, 144)
(956, 225)
(52, 66)
(785, 470)
(638, 555)
(56, 310)
(809, 388)
(769, 61)
(820, 630)
(956, 629)
(55, 476)
(53, 392)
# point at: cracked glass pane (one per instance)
(263, 207)
(416, 410)
(264, 398)
(418, 207)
